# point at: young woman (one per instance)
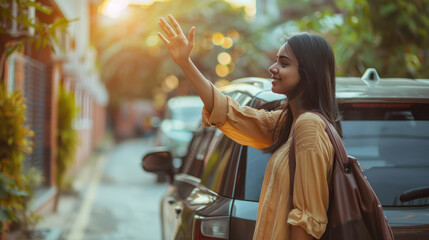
(305, 72)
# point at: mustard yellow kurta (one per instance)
(314, 157)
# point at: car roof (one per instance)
(354, 87)
(395, 89)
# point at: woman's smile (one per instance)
(275, 81)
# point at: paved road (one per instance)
(117, 200)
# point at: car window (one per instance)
(197, 151)
(192, 149)
(193, 164)
(253, 163)
(218, 169)
(391, 142)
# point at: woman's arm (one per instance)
(245, 125)
(299, 233)
(180, 49)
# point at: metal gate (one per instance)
(34, 91)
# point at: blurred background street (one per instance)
(114, 198)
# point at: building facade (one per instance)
(38, 72)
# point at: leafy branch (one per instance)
(45, 35)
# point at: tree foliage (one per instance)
(67, 135)
(45, 34)
(134, 61)
(390, 35)
(14, 144)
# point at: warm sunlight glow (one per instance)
(224, 58)
(142, 2)
(154, 51)
(250, 11)
(152, 41)
(113, 8)
(250, 6)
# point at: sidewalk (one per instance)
(114, 199)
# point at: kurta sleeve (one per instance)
(245, 125)
(314, 157)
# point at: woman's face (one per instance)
(284, 71)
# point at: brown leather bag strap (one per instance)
(292, 163)
(336, 141)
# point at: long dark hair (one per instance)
(316, 88)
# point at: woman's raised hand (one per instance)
(178, 45)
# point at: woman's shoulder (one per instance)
(308, 119)
(310, 131)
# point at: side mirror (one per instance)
(159, 162)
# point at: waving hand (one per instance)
(178, 45)
(180, 49)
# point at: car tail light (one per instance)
(211, 228)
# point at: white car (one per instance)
(182, 118)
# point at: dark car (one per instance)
(215, 194)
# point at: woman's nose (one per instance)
(273, 69)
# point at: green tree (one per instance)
(67, 138)
(390, 35)
(134, 61)
(14, 144)
(44, 34)
(17, 184)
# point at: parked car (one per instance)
(182, 118)
(385, 124)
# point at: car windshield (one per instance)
(391, 143)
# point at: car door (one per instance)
(185, 181)
(250, 175)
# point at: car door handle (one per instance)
(178, 210)
(171, 201)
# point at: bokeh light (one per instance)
(224, 58)
(222, 70)
(221, 82)
(159, 98)
(218, 38)
(152, 41)
(227, 43)
(170, 83)
(233, 34)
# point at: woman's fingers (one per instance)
(167, 28)
(163, 38)
(175, 24)
(191, 36)
(166, 31)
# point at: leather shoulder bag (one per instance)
(354, 212)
